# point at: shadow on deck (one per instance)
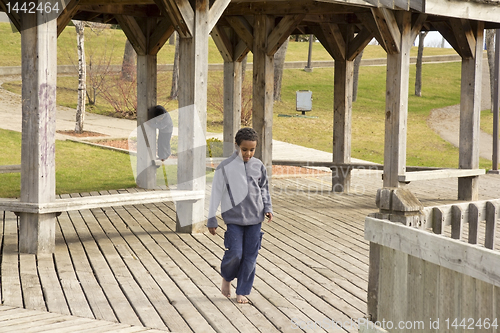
(127, 265)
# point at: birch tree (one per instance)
(279, 62)
(490, 50)
(355, 79)
(174, 90)
(82, 76)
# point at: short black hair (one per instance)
(246, 133)
(157, 110)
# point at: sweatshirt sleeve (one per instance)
(264, 191)
(215, 198)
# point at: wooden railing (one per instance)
(441, 275)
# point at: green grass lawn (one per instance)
(79, 167)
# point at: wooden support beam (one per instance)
(134, 33)
(282, 31)
(445, 30)
(13, 16)
(181, 15)
(38, 176)
(357, 45)
(232, 103)
(396, 106)
(417, 25)
(223, 43)
(335, 40)
(464, 36)
(388, 28)
(369, 22)
(342, 118)
(160, 35)
(193, 64)
(470, 110)
(242, 28)
(67, 13)
(216, 11)
(263, 89)
(325, 41)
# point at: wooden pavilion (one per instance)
(237, 27)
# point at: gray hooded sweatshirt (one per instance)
(241, 188)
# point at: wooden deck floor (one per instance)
(126, 265)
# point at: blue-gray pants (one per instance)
(242, 245)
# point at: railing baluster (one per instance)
(457, 219)
(474, 216)
(491, 225)
(438, 221)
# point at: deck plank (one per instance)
(31, 287)
(11, 283)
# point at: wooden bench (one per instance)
(109, 200)
(438, 174)
(351, 166)
(10, 168)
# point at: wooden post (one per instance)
(193, 64)
(342, 114)
(146, 98)
(470, 109)
(396, 107)
(232, 103)
(38, 176)
(263, 90)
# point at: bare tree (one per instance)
(82, 76)
(490, 49)
(174, 91)
(420, 54)
(357, 64)
(279, 62)
(129, 62)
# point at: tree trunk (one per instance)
(420, 54)
(357, 63)
(82, 76)
(174, 91)
(279, 62)
(171, 40)
(243, 68)
(490, 49)
(129, 62)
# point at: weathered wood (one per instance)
(11, 284)
(436, 174)
(457, 222)
(134, 33)
(389, 30)
(464, 36)
(438, 221)
(215, 12)
(474, 220)
(415, 290)
(223, 43)
(396, 109)
(193, 62)
(449, 253)
(470, 109)
(386, 290)
(62, 205)
(159, 36)
(281, 32)
(342, 118)
(146, 99)
(357, 45)
(39, 71)
(448, 215)
(181, 15)
(263, 90)
(491, 225)
(232, 104)
(66, 14)
(31, 288)
(242, 28)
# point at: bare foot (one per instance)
(226, 288)
(241, 299)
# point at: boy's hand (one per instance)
(213, 231)
(269, 216)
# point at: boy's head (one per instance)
(157, 110)
(246, 139)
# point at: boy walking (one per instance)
(240, 186)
